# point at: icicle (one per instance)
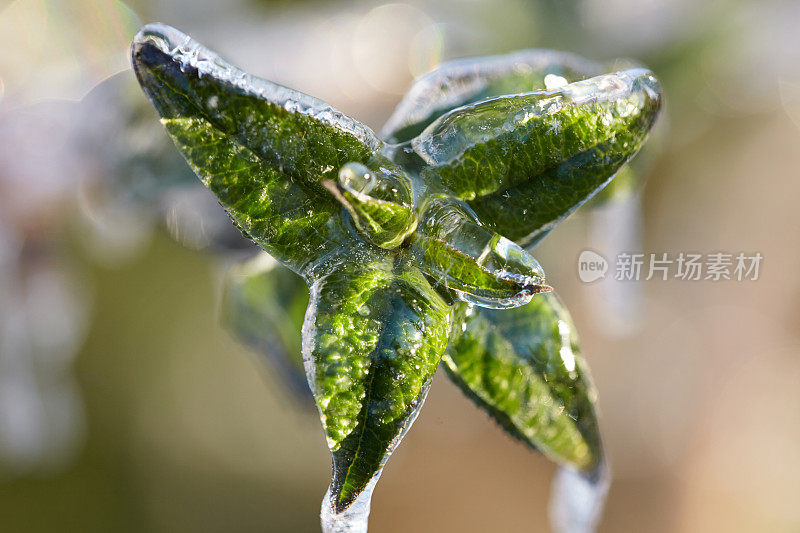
(353, 519)
(577, 499)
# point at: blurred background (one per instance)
(125, 405)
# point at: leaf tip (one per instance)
(150, 46)
(537, 288)
(160, 35)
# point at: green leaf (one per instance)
(380, 201)
(525, 162)
(262, 148)
(275, 212)
(524, 367)
(375, 333)
(481, 266)
(465, 81)
(263, 306)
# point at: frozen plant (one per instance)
(415, 244)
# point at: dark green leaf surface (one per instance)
(262, 148)
(263, 306)
(525, 162)
(275, 212)
(524, 367)
(376, 332)
(481, 266)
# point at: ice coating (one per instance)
(455, 82)
(523, 163)
(373, 337)
(523, 366)
(480, 266)
(450, 136)
(385, 182)
(379, 201)
(357, 178)
(577, 500)
(263, 163)
(354, 519)
(190, 53)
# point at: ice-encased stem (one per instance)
(577, 499)
(354, 519)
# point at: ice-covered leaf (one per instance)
(373, 336)
(287, 220)
(525, 162)
(262, 148)
(465, 81)
(263, 306)
(380, 201)
(479, 265)
(524, 367)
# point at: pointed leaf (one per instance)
(465, 81)
(524, 367)
(263, 306)
(264, 149)
(373, 337)
(481, 266)
(523, 163)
